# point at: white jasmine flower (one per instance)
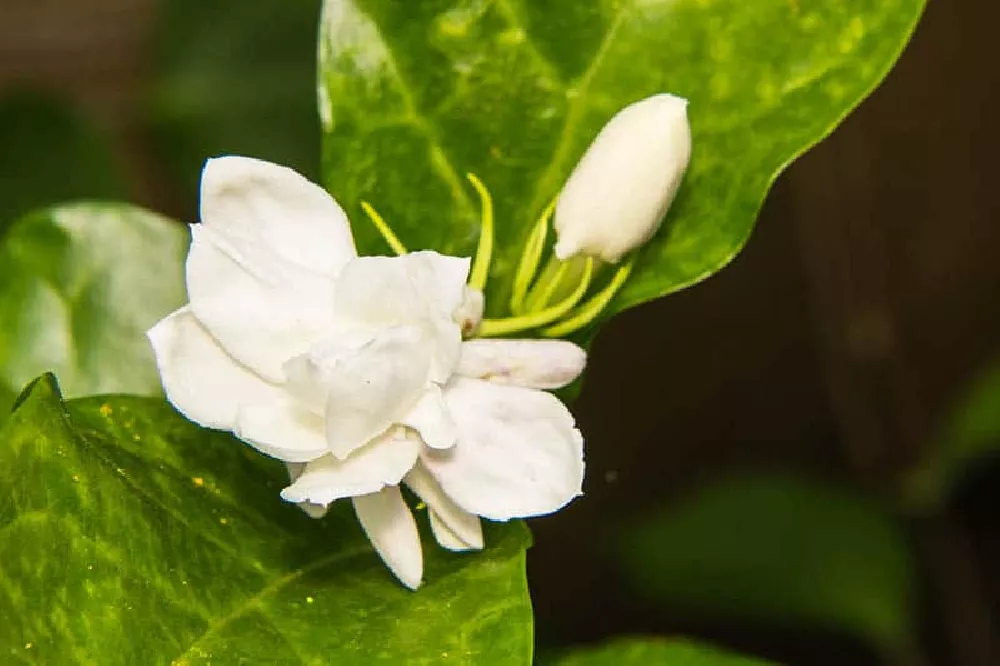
(617, 196)
(353, 370)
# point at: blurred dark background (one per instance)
(835, 347)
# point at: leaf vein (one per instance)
(440, 161)
(254, 602)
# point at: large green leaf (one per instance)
(51, 154)
(130, 536)
(770, 548)
(654, 652)
(234, 78)
(413, 95)
(79, 286)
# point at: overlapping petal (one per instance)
(261, 310)
(260, 206)
(200, 379)
(382, 462)
(518, 452)
(453, 527)
(420, 289)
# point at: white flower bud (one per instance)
(618, 194)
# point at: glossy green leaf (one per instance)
(654, 652)
(50, 154)
(971, 433)
(79, 286)
(413, 95)
(780, 550)
(234, 78)
(130, 536)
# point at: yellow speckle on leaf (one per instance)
(28, 646)
(421, 506)
(105, 410)
(198, 481)
(224, 521)
(75, 477)
(309, 600)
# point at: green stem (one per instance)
(530, 258)
(589, 310)
(494, 327)
(390, 238)
(484, 253)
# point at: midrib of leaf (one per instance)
(548, 182)
(254, 602)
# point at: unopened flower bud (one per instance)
(618, 194)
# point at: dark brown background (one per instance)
(835, 342)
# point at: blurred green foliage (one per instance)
(51, 153)
(779, 549)
(234, 78)
(79, 286)
(970, 435)
(652, 652)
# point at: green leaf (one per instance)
(234, 78)
(51, 154)
(770, 548)
(971, 433)
(79, 286)
(654, 652)
(130, 536)
(413, 95)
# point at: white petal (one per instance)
(369, 389)
(282, 429)
(200, 379)
(383, 462)
(430, 418)
(422, 288)
(312, 510)
(454, 528)
(262, 311)
(542, 364)
(518, 453)
(390, 527)
(257, 203)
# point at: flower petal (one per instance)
(390, 527)
(400, 290)
(541, 364)
(383, 462)
(430, 418)
(261, 310)
(282, 429)
(518, 453)
(312, 510)
(453, 528)
(417, 289)
(368, 388)
(200, 379)
(267, 206)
